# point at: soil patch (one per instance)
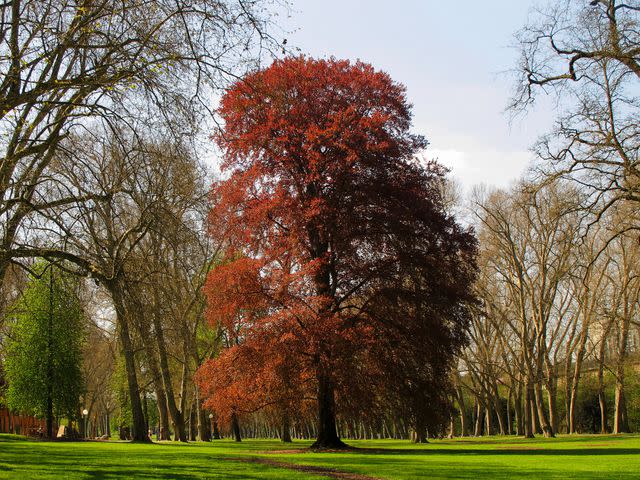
(324, 471)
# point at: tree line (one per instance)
(319, 286)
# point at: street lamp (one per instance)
(211, 426)
(85, 412)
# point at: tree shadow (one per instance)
(516, 450)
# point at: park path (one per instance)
(315, 470)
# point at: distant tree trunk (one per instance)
(601, 397)
(461, 406)
(488, 421)
(193, 422)
(509, 419)
(552, 398)
(477, 430)
(528, 411)
(577, 371)
(216, 431)
(620, 423)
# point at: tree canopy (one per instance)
(44, 352)
(344, 274)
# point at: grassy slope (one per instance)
(585, 457)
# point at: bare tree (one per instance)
(587, 54)
(68, 66)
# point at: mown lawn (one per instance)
(584, 457)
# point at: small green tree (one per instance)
(44, 350)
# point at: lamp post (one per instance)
(85, 412)
(211, 425)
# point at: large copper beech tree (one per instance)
(345, 280)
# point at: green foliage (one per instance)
(44, 349)
(632, 394)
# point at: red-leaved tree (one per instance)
(344, 279)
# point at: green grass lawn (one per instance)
(585, 457)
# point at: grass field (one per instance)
(584, 457)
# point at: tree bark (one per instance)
(235, 427)
(286, 428)
(177, 416)
(327, 432)
(528, 411)
(547, 429)
(138, 432)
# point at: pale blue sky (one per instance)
(452, 56)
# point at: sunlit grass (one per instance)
(585, 457)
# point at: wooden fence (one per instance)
(20, 424)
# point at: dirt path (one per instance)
(324, 471)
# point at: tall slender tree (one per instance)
(44, 354)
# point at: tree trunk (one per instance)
(577, 371)
(327, 433)
(477, 429)
(163, 413)
(518, 410)
(461, 405)
(552, 398)
(193, 422)
(528, 411)
(286, 428)
(420, 435)
(235, 427)
(216, 431)
(547, 430)
(620, 423)
(177, 416)
(601, 397)
(138, 433)
(204, 431)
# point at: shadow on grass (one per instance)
(517, 450)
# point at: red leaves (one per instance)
(338, 246)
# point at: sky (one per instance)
(453, 57)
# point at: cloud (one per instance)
(490, 167)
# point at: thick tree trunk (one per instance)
(620, 422)
(286, 428)
(235, 428)
(204, 432)
(420, 435)
(327, 432)
(163, 413)
(138, 433)
(177, 416)
(547, 429)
